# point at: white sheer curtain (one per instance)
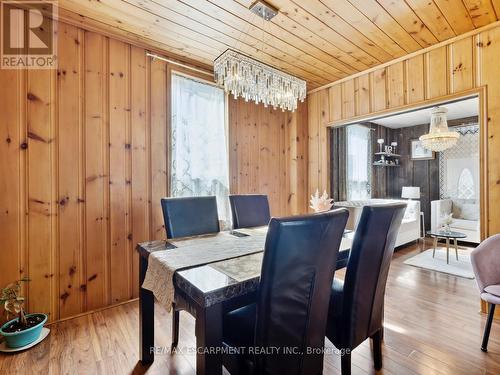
(359, 162)
(200, 163)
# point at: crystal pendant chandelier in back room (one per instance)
(253, 80)
(439, 138)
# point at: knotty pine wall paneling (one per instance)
(139, 148)
(268, 154)
(96, 177)
(463, 66)
(12, 164)
(158, 143)
(297, 199)
(70, 193)
(415, 90)
(41, 263)
(85, 162)
(119, 169)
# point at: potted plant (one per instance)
(25, 328)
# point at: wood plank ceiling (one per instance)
(318, 40)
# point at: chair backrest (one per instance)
(485, 261)
(367, 270)
(190, 216)
(251, 210)
(297, 271)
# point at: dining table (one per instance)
(208, 291)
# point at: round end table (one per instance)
(447, 235)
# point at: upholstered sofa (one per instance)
(410, 227)
(465, 217)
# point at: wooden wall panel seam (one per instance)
(148, 145)
(407, 80)
(82, 288)
(406, 85)
(53, 206)
(475, 62)
(23, 177)
(148, 141)
(55, 194)
(168, 124)
(106, 113)
(450, 70)
(425, 83)
(10, 164)
(128, 172)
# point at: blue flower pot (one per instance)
(22, 338)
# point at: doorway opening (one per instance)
(382, 159)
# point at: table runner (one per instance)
(196, 251)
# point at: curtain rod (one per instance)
(178, 63)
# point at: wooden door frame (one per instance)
(481, 93)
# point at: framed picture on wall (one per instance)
(419, 152)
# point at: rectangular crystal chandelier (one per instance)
(252, 80)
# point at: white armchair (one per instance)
(465, 217)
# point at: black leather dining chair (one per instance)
(190, 216)
(249, 210)
(184, 217)
(291, 310)
(357, 304)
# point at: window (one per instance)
(199, 153)
(466, 185)
(359, 162)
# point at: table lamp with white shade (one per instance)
(410, 192)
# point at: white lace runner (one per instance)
(196, 251)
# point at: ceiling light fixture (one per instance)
(439, 138)
(263, 9)
(253, 80)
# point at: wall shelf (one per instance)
(385, 165)
(388, 155)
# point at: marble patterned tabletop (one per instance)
(219, 281)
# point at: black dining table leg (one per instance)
(209, 340)
(146, 317)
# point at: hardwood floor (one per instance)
(433, 326)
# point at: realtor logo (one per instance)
(28, 39)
